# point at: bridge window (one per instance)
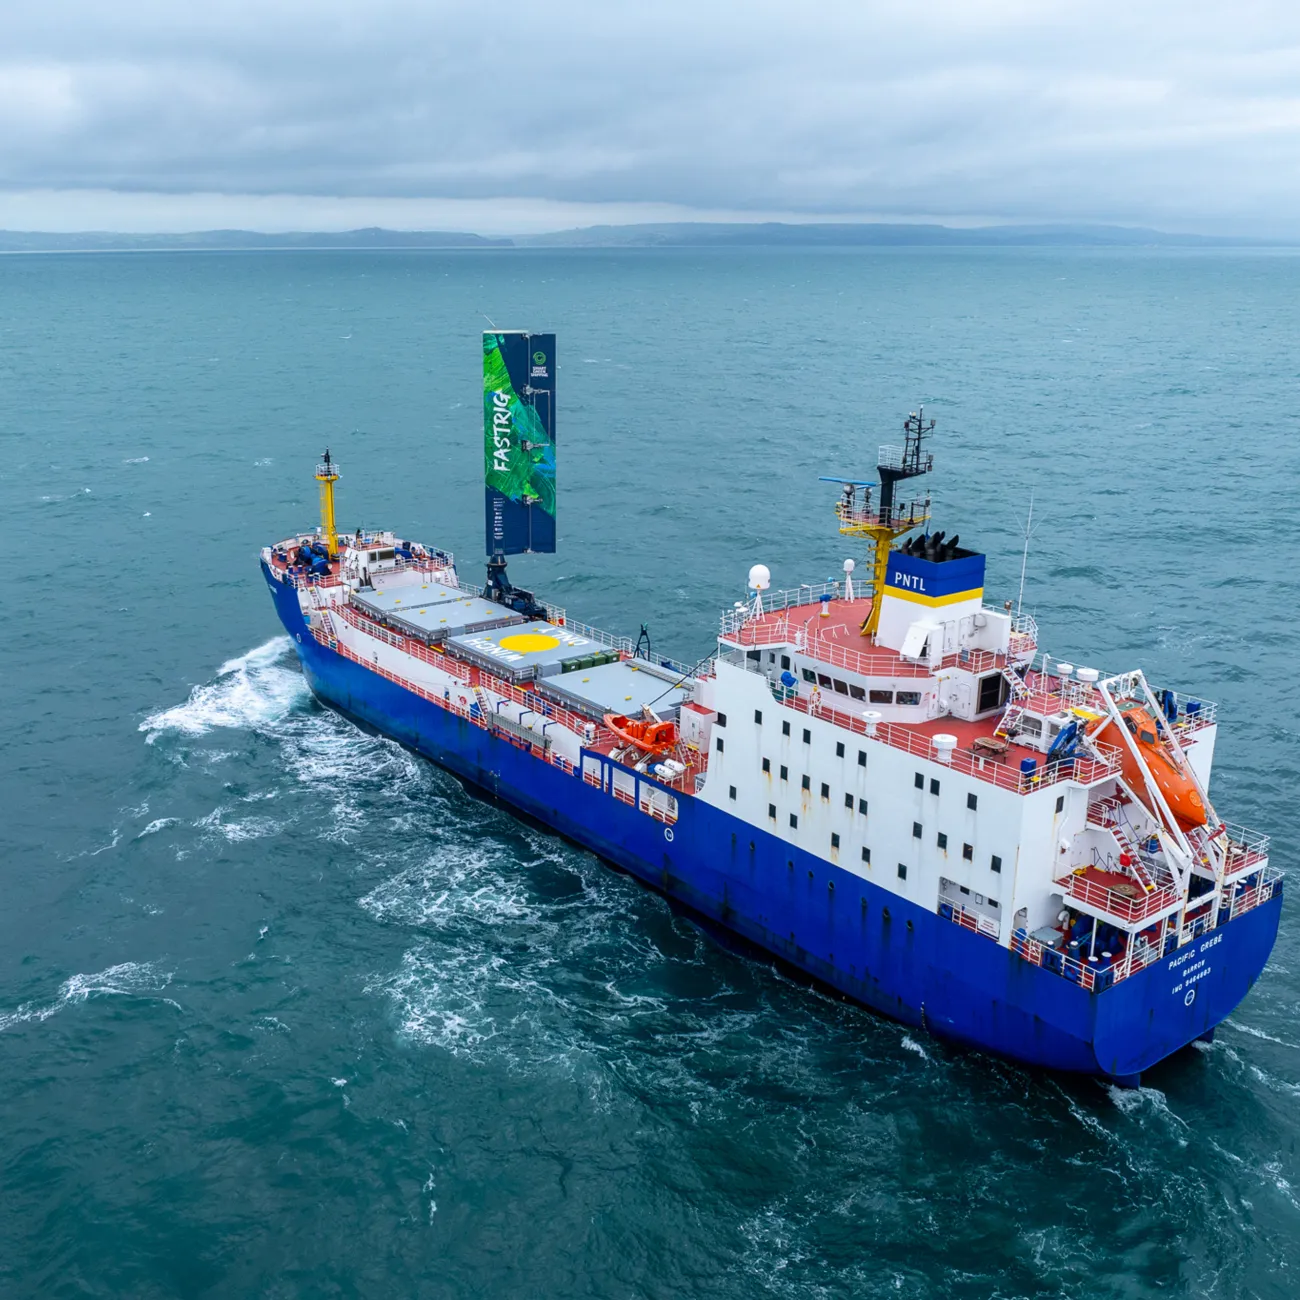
(908, 697)
(810, 676)
(857, 692)
(823, 679)
(841, 688)
(882, 697)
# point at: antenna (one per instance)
(1024, 558)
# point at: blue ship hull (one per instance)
(869, 944)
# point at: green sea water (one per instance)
(285, 1012)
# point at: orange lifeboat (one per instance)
(655, 738)
(1174, 781)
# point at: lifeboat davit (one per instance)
(1174, 781)
(653, 737)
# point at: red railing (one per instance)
(900, 736)
(1099, 897)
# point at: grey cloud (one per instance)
(1160, 112)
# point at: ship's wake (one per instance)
(252, 690)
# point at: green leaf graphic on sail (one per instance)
(525, 470)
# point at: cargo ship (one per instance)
(883, 781)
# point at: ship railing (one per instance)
(1245, 848)
(1095, 973)
(1085, 771)
(624, 645)
(1245, 896)
(902, 515)
(1125, 907)
(789, 598)
(970, 920)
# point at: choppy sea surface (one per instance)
(285, 1012)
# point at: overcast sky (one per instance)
(511, 116)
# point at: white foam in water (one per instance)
(130, 979)
(253, 690)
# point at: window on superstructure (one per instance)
(807, 783)
(972, 802)
(919, 780)
(720, 745)
(917, 832)
(754, 656)
(785, 662)
(826, 791)
(771, 811)
(934, 785)
(823, 679)
(862, 758)
(839, 749)
(968, 852)
(857, 692)
(902, 871)
(758, 716)
(767, 765)
(841, 688)
(848, 802)
(907, 697)
(942, 841)
(785, 728)
(994, 904)
(835, 840)
(785, 772)
(862, 807)
(881, 697)
(1060, 803)
(807, 736)
(731, 792)
(794, 822)
(722, 719)
(995, 864)
(810, 676)
(771, 658)
(866, 854)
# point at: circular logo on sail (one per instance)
(539, 358)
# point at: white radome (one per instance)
(760, 578)
(849, 566)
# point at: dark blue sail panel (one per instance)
(519, 441)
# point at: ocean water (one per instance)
(285, 1012)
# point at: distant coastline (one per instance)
(660, 235)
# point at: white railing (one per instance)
(808, 594)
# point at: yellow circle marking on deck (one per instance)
(529, 642)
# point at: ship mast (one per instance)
(889, 519)
(327, 474)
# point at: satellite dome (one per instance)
(760, 578)
(849, 566)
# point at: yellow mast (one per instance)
(327, 474)
(883, 522)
